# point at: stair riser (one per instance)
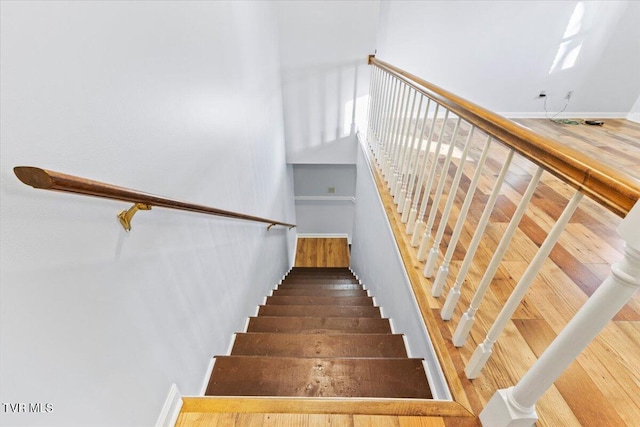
(322, 286)
(318, 311)
(316, 300)
(320, 292)
(324, 345)
(316, 325)
(320, 281)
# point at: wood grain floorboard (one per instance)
(322, 252)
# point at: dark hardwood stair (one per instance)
(315, 377)
(318, 345)
(319, 300)
(323, 286)
(314, 291)
(319, 311)
(319, 335)
(319, 325)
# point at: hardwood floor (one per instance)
(617, 142)
(602, 387)
(322, 252)
(194, 419)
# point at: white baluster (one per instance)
(371, 109)
(420, 224)
(443, 271)
(387, 118)
(405, 149)
(466, 321)
(380, 94)
(402, 143)
(399, 141)
(483, 351)
(413, 213)
(424, 244)
(385, 96)
(411, 170)
(408, 212)
(454, 294)
(435, 249)
(378, 117)
(394, 134)
(515, 406)
(384, 161)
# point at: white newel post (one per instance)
(515, 406)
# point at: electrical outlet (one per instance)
(331, 190)
(542, 94)
(569, 95)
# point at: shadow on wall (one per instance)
(320, 109)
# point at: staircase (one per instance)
(319, 335)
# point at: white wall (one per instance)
(376, 260)
(317, 210)
(316, 180)
(324, 47)
(158, 96)
(501, 54)
(634, 114)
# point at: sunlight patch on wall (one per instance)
(574, 35)
(358, 117)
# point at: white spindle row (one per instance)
(407, 132)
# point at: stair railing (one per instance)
(56, 181)
(416, 133)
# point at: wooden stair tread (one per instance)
(319, 345)
(332, 276)
(309, 271)
(337, 287)
(318, 271)
(315, 377)
(318, 311)
(320, 292)
(320, 280)
(319, 325)
(319, 300)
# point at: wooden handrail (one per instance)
(611, 188)
(56, 181)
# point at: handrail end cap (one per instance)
(35, 177)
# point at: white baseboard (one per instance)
(322, 235)
(392, 325)
(566, 115)
(171, 408)
(231, 343)
(406, 346)
(634, 117)
(207, 376)
(325, 199)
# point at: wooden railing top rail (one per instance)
(50, 180)
(611, 188)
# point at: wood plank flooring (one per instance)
(322, 252)
(602, 388)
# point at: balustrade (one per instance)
(414, 148)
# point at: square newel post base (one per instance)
(501, 411)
